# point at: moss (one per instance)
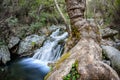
(75, 32)
(98, 32)
(46, 77)
(73, 74)
(63, 58)
(74, 38)
(33, 43)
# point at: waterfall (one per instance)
(52, 47)
(36, 68)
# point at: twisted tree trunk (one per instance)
(86, 52)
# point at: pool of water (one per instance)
(27, 69)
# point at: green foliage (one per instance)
(2, 43)
(34, 27)
(99, 9)
(12, 21)
(33, 43)
(48, 13)
(63, 58)
(47, 3)
(51, 68)
(116, 13)
(73, 74)
(75, 32)
(117, 2)
(109, 10)
(30, 13)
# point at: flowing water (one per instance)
(52, 48)
(36, 68)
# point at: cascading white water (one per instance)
(36, 68)
(51, 49)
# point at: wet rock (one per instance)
(4, 54)
(13, 41)
(54, 27)
(114, 55)
(30, 42)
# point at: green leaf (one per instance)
(73, 78)
(78, 76)
(69, 75)
(73, 65)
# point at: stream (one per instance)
(36, 68)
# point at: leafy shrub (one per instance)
(34, 27)
(12, 21)
(2, 42)
(73, 74)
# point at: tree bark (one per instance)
(86, 52)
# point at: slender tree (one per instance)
(63, 17)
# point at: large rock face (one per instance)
(29, 42)
(4, 54)
(114, 56)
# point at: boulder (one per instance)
(13, 42)
(29, 42)
(107, 32)
(107, 42)
(114, 55)
(4, 54)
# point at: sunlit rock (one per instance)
(30, 42)
(114, 56)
